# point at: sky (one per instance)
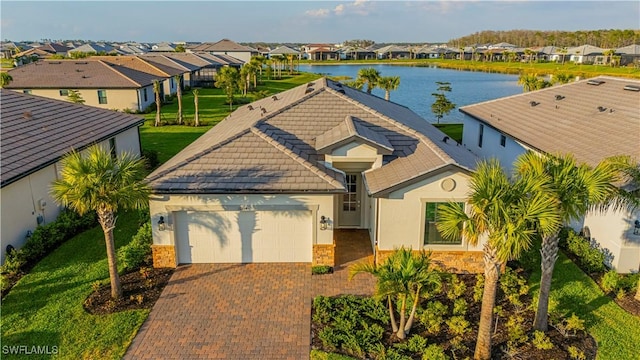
(302, 21)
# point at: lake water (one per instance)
(418, 83)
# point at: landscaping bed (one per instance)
(360, 327)
(140, 290)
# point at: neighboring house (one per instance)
(163, 47)
(356, 53)
(586, 54)
(284, 51)
(227, 47)
(204, 69)
(629, 55)
(35, 133)
(162, 72)
(591, 119)
(320, 52)
(94, 48)
(275, 179)
(100, 84)
(393, 52)
(55, 48)
(187, 70)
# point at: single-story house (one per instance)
(592, 119)
(284, 50)
(187, 69)
(629, 55)
(94, 48)
(227, 47)
(35, 133)
(276, 179)
(356, 53)
(107, 86)
(393, 52)
(586, 54)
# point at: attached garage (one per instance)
(243, 236)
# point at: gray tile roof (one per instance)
(77, 74)
(141, 64)
(286, 127)
(223, 45)
(348, 130)
(36, 131)
(168, 61)
(573, 123)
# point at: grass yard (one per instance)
(45, 306)
(453, 130)
(616, 331)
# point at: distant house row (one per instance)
(118, 82)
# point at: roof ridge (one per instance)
(306, 163)
(402, 126)
(151, 65)
(197, 155)
(112, 68)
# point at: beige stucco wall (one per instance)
(613, 230)
(20, 201)
(401, 215)
(117, 99)
(165, 205)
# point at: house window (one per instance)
(144, 92)
(112, 148)
(102, 96)
(480, 134)
(431, 234)
(64, 92)
(503, 140)
(26, 91)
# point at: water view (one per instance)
(418, 83)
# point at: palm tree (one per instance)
(563, 52)
(529, 54)
(178, 80)
(369, 76)
(105, 184)
(577, 187)
(405, 275)
(608, 55)
(196, 116)
(227, 79)
(461, 53)
(504, 211)
(389, 83)
(562, 78)
(5, 79)
(156, 91)
(531, 82)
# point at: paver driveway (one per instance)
(243, 311)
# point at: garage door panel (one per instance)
(244, 236)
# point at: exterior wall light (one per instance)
(161, 224)
(324, 222)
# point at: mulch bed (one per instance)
(140, 290)
(582, 340)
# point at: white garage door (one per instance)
(243, 236)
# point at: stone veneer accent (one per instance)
(164, 256)
(324, 254)
(460, 262)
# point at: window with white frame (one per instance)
(432, 235)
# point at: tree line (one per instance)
(607, 39)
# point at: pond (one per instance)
(418, 83)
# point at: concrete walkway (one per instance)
(245, 311)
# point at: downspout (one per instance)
(377, 232)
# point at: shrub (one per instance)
(457, 288)
(459, 307)
(610, 281)
(434, 352)
(138, 251)
(516, 334)
(433, 316)
(320, 269)
(576, 353)
(415, 344)
(151, 159)
(13, 262)
(541, 341)
(590, 258)
(478, 289)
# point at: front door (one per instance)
(349, 211)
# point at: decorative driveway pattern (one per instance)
(242, 311)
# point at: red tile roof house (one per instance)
(100, 84)
(275, 179)
(591, 119)
(35, 133)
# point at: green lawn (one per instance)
(616, 331)
(45, 306)
(453, 130)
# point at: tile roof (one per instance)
(142, 64)
(284, 50)
(77, 74)
(168, 61)
(220, 59)
(348, 130)
(192, 59)
(37, 131)
(276, 136)
(592, 122)
(223, 45)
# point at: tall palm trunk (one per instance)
(387, 95)
(549, 252)
(403, 309)
(491, 275)
(196, 118)
(108, 222)
(392, 315)
(179, 93)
